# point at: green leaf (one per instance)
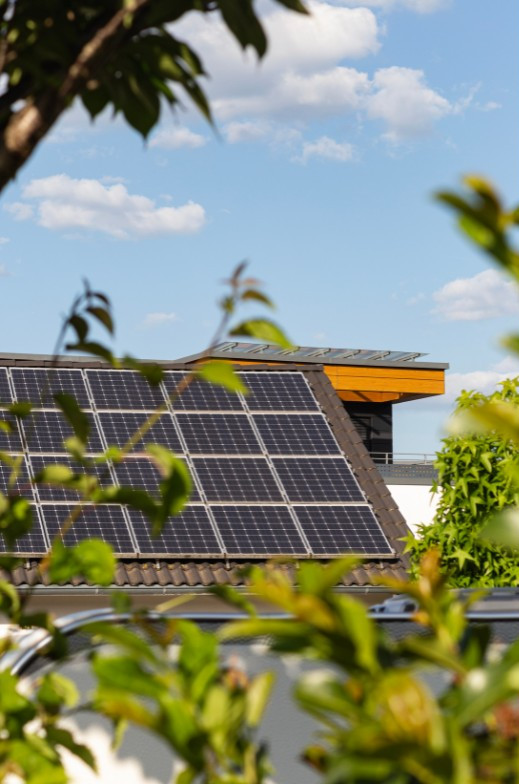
(258, 693)
(222, 374)
(62, 737)
(94, 348)
(57, 691)
(20, 410)
(102, 315)
(231, 596)
(15, 518)
(257, 296)
(130, 642)
(263, 330)
(74, 415)
(91, 558)
(152, 372)
(55, 474)
(503, 529)
(80, 326)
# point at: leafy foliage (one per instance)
(380, 720)
(121, 54)
(476, 479)
(205, 710)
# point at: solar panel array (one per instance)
(269, 476)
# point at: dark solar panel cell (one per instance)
(38, 385)
(218, 434)
(123, 389)
(201, 396)
(48, 492)
(278, 392)
(22, 484)
(10, 442)
(142, 473)
(237, 479)
(100, 522)
(188, 533)
(45, 431)
(293, 434)
(32, 543)
(5, 391)
(258, 530)
(119, 427)
(332, 530)
(317, 479)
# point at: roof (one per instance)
(171, 574)
(190, 572)
(264, 352)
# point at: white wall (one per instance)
(416, 503)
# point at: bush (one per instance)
(476, 479)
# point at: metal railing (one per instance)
(403, 458)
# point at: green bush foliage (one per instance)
(477, 478)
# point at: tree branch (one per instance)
(29, 125)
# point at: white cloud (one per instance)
(19, 210)
(484, 381)
(327, 148)
(4, 240)
(157, 319)
(419, 6)
(404, 102)
(4, 272)
(247, 131)
(299, 47)
(65, 203)
(489, 106)
(177, 137)
(486, 295)
(301, 95)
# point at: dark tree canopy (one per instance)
(121, 53)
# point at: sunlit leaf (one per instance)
(222, 374)
(263, 330)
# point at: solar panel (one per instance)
(10, 442)
(33, 543)
(296, 434)
(317, 479)
(332, 530)
(38, 385)
(268, 467)
(123, 389)
(237, 479)
(270, 391)
(22, 484)
(142, 473)
(218, 433)
(5, 390)
(189, 533)
(201, 396)
(100, 522)
(119, 427)
(45, 431)
(48, 492)
(258, 530)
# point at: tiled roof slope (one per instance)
(164, 572)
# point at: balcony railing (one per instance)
(406, 467)
(403, 458)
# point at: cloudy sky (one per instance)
(320, 174)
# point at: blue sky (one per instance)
(321, 175)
